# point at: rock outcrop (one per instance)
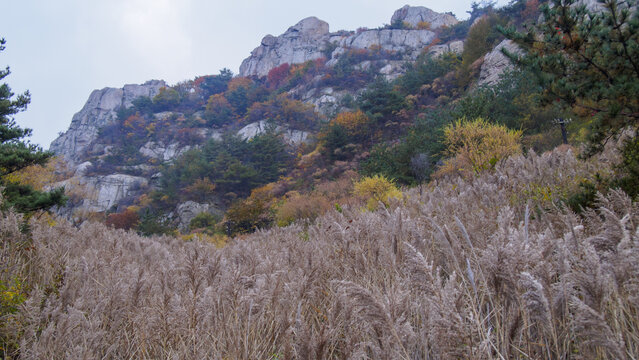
(111, 189)
(310, 39)
(301, 42)
(100, 193)
(496, 63)
(292, 137)
(188, 210)
(99, 110)
(327, 101)
(414, 15)
(456, 47)
(408, 42)
(163, 152)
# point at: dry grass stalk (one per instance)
(394, 283)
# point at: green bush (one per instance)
(166, 99)
(629, 168)
(397, 161)
(377, 189)
(381, 99)
(232, 164)
(152, 223)
(203, 220)
(425, 70)
(454, 32)
(247, 216)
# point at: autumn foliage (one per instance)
(39, 176)
(357, 124)
(126, 220)
(277, 75)
(239, 82)
(298, 206)
(218, 110)
(477, 145)
(376, 189)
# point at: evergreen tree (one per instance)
(16, 154)
(587, 59)
(381, 100)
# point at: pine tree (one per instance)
(16, 154)
(587, 59)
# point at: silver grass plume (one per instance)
(592, 329)
(535, 301)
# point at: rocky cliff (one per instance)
(496, 63)
(100, 110)
(414, 15)
(301, 42)
(310, 39)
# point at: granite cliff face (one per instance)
(414, 15)
(496, 63)
(301, 42)
(100, 110)
(310, 39)
(408, 42)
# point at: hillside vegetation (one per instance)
(483, 268)
(430, 218)
(211, 154)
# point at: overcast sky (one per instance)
(62, 50)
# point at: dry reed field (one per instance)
(489, 268)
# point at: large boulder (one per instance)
(100, 110)
(290, 136)
(163, 152)
(302, 42)
(188, 210)
(496, 63)
(100, 193)
(414, 15)
(456, 47)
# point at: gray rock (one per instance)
(210, 133)
(325, 99)
(82, 169)
(163, 152)
(291, 136)
(496, 63)
(100, 110)
(408, 42)
(253, 129)
(102, 192)
(188, 210)
(300, 43)
(308, 39)
(456, 47)
(392, 70)
(111, 189)
(295, 137)
(413, 15)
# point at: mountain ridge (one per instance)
(123, 138)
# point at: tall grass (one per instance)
(491, 268)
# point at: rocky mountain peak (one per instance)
(301, 42)
(100, 110)
(309, 38)
(413, 15)
(309, 27)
